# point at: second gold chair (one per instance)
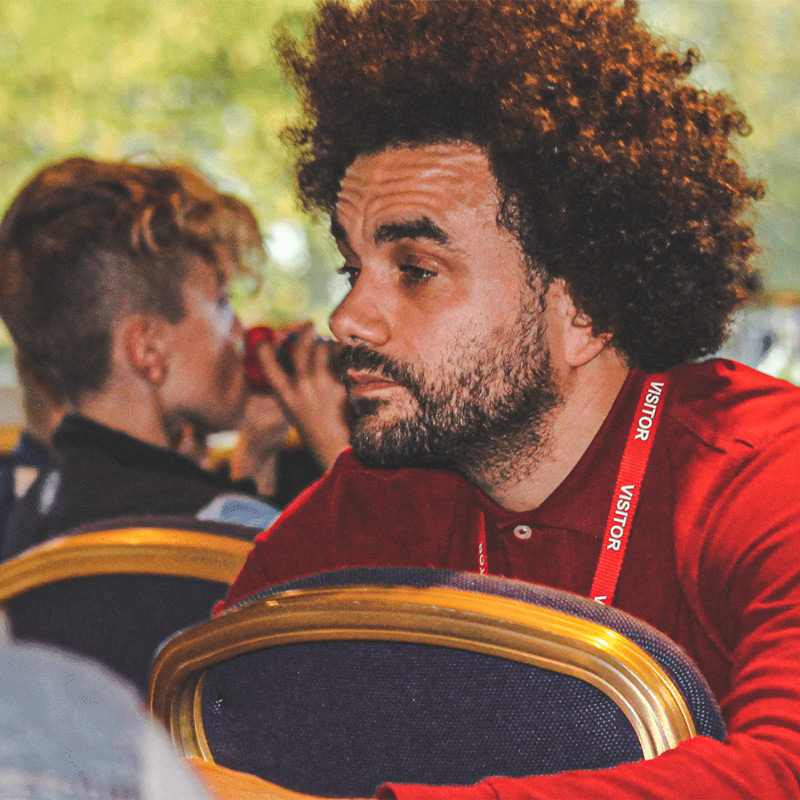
(115, 592)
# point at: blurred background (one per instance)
(197, 81)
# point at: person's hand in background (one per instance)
(261, 436)
(311, 395)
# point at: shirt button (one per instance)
(523, 532)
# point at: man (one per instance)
(542, 224)
(113, 284)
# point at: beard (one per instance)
(482, 412)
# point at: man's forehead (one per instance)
(454, 173)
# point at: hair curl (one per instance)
(616, 174)
(87, 242)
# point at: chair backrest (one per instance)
(334, 684)
(115, 594)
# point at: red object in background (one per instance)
(283, 338)
(252, 338)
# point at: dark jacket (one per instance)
(98, 473)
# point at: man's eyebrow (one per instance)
(422, 228)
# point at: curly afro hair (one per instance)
(617, 174)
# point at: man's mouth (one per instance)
(362, 382)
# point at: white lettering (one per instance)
(649, 409)
(620, 519)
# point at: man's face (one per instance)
(446, 360)
(205, 383)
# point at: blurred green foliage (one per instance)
(197, 81)
(750, 49)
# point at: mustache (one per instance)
(360, 357)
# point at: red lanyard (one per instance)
(626, 492)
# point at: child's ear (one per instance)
(145, 346)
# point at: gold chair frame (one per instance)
(443, 616)
(158, 551)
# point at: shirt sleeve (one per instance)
(740, 567)
(274, 558)
(355, 517)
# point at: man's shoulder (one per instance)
(369, 496)
(349, 472)
(734, 457)
(722, 402)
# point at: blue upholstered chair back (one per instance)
(339, 717)
(119, 619)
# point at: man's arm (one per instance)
(292, 547)
(740, 567)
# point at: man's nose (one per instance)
(361, 316)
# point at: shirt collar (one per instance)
(581, 501)
(79, 432)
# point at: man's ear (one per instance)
(144, 343)
(572, 328)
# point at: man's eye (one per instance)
(350, 272)
(412, 272)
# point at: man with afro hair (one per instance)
(544, 226)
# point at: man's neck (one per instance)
(128, 411)
(587, 398)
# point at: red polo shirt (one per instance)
(713, 561)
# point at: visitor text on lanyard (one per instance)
(626, 492)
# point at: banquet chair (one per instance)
(334, 684)
(114, 591)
